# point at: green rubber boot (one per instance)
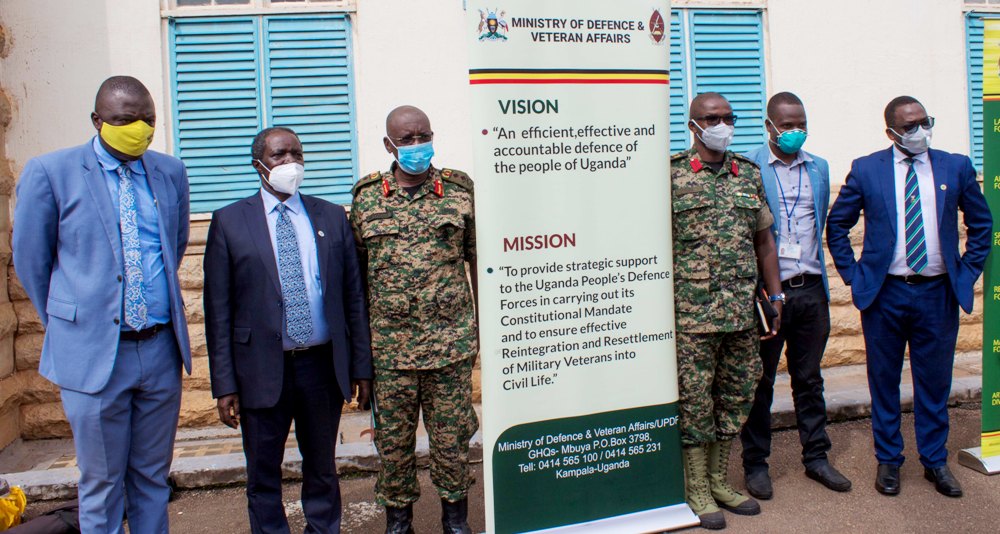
(699, 494)
(724, 494)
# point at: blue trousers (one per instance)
(124, 438)
(923, 317)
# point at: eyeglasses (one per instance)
(909, 128)
(413, 139)
(713, 120)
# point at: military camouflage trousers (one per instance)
(717, 374)
(445, 395)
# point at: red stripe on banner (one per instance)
(566, 81)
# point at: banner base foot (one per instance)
(656, 520)
(973, 459)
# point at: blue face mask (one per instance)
(414, 159)
(790, 141)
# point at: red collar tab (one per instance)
(385, 187)
(736, 168)
(696, 164)
(438, 188)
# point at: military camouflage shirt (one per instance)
(415, 249)
(715, 217)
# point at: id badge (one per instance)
(791, 251)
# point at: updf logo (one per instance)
(492, 27)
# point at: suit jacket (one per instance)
(871, 187)
(819, 179)
(243, 303)
(68, 256)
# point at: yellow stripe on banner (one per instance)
(991, 60)
(990, 445)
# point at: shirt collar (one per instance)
(293, 203)
(898, 156)
(111, 163)
(800, 158)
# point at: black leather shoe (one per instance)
(399, 520)
(944, 482)
(826, 475)
(758, 484)
(887, 480)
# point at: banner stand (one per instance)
(973, 459)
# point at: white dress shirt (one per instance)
(796, 215)
(928, 210)
(310, 264)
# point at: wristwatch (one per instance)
(780, 297)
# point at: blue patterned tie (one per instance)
(135, 295)
(916, 246)
(298, 321)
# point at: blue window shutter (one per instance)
(974, 38)
(214, 64)
(679, 133)
(308, 80)
(728, 58)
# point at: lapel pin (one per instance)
(321, 234)
(944, 187)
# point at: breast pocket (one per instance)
(449, 230)
(691, 224)
(379, 235)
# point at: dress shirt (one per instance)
(310, 264)
(928, 209)
(796, 215)
(154, 279)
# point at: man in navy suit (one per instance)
(287, 331)
(99, 232)
(911, 280)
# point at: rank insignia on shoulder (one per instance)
(735, 168)
(439, 187)
(696, 164)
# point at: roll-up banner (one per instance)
(571, 124)
(986, 458)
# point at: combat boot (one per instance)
(697, 488)
(724, 494)
(399, 520)
(455, 517)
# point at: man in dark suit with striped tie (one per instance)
(911, 280)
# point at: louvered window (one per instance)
(233, 76)
(974, 60)
(721, 51)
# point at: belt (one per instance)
(800, 280)
(145, 333)
(917, 279)
(298, 352)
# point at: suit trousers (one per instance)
(124, 438)
(923, 317)
(310, 397)
(805, 328)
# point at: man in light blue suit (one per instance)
(99, 232)
(911, 280)
(797, 184)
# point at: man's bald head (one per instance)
(403, 115)
(120, 86)
(703, 100)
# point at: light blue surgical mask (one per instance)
(790, 141)
(414, 159)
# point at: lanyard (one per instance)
(784, 201)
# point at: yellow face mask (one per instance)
(131, 139)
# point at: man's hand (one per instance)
(363, 391)
(776, 323)
(229, 410)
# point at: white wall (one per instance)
(412, 52)
(847, 59)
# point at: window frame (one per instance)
(170, 9)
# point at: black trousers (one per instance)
(805, 328)
(311, 398)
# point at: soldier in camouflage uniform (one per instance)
(721, 240)
(415, 230)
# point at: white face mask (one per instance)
(716, 137)
(285, 178)
(916, 142)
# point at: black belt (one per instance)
(298, 352)
(801, 280)
(145, 333)
(917, 279)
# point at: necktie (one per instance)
(298, 321)
(916, 247)
(135, 296)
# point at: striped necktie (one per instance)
(916, 246)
